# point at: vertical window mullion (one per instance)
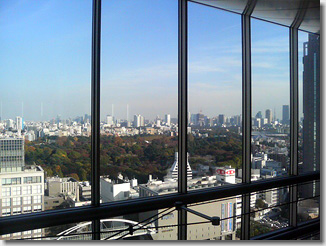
(294, 108)
(95, 104)
(182, 112)
(294, 121)
(246, 115)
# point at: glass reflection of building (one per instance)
(311, 110)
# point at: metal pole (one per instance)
(95, 97)
(182, 113)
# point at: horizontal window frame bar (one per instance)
(45, 219)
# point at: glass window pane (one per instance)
(270, 100)
(229, 212)
(74, 231)
(308, 201)
(215, 97)
(270, 211)
(139, 75)
(152, 225)
(45, 103)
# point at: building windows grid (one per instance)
(36, 189)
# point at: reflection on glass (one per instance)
(152, 225)
(44, 106)
(229, 212)
(309, 109)
(308, 201)
(139, 98)
(270, 100)
(309, 102)
(269, 211)
(214, 120)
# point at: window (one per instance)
(27, 209)
(27, 200)
(6, 202)
(270, 100)
(17, 210)
(214, 129)
(16, 234)
(37, 199)
(11, 181)
(27, 232)
(6, 191)
(37, 208)
(37, 189)
(6, 212)
(32, 180)
(138, 129)
(16, 201)
(16, 191)
(27, 189)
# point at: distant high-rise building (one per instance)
(189, 118)
(138, 120)
(311, 110)
(257, 122)
(237, 120)
(10, 124)
(269, 116)
(168, 119)
(259, 115)
(193, 119)
(286, 115)
(19, 123)
(221, 119)
(58, 119)
(109, 120)
(142, 120)
(200, 119)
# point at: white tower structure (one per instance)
(168, 119)
(19, 123)
(173, 172)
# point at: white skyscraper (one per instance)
(136, 120)
(109, 120)
(19, 123)
(168, 119)
(142, 120)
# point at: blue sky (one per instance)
(45, 47)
